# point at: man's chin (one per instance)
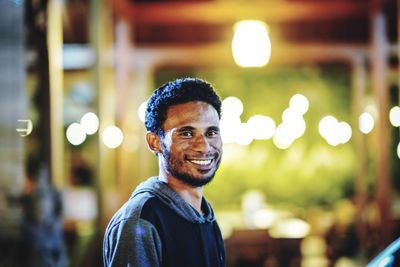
(194, 181)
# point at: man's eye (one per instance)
(186, 134)
(212, 133)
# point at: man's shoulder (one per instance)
(131, 210)
(154, 208)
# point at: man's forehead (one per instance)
(191, 113)
(191, 107)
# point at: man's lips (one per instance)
(202, 162)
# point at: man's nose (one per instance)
(201, 143)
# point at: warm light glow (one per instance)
(253, 200)
(264, 218)
(334, 132)
(142, 111)
(283, 137)
(243, 135)
(228, 127)
(327, 125)
(398, 150)
(251, 46)
(371, 109)
(294, 122)
(261, 127)
(290, 228)
(112, 137)
(366, 123)
(230, 124)
(75, 134)
(289, 115)
(299, 103)
(298, 127)
(232, 107)
(345, 132)
(394, 116)
(90, 123)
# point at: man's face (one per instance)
(191, 145)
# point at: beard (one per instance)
(174, 169)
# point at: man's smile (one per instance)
(201, 162)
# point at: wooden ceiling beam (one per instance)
(218, 55)
(229, 12)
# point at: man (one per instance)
(167, 222)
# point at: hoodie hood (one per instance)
(159, 189)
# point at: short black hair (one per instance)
(175, 92)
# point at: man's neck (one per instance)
(192, 195)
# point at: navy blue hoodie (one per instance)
(157, 228)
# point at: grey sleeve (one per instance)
(132, 244)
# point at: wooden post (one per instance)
(56, 73)
(101, 31)
(124, 108)
(379, 54)
(359, 76)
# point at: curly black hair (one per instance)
(175, 92)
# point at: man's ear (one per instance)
(153, 142)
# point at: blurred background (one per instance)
(311, 171)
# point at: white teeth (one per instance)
(201, 162)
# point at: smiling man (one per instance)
(167, 221)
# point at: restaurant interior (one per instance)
(310, 174)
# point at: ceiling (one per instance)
(184, 22)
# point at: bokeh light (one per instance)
(232, 107)
(90, 123)
(261, 127)
(366, 123)
(112, 137)
(243, 135)
(290, 114)
(327, 125)
(290, 228)
(75, 134)
(394, 116)
(228, 127)
(251, 46)
(283, 137)
(299, 103)
(333, 131)
(231, 126)
(294, 121)
(371, 108)
(398, 150)
(345, 132)
(293, 124)
(264, 218)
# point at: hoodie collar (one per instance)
(175, 202)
